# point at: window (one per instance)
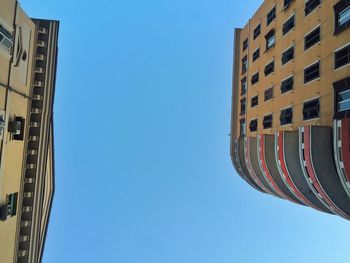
(268, 94)
(287, 55)
(255, 78)
(254, 101)
(286, 116)
(287, 3)
(270, 39)
(5, 39)
(342, 57)
(244, 64)
(267, 122)
(271, 16)
(257, 31)
(312, 72)
(243, 86)
(341, 15)
(16, 128)
(10, 209)
(342, 98)
(242, 127)
(312, 38)
(311, 5)
(288, 25)
(245, 44)
(256, 54)
(269, 68)
(253, 125)
(242, 106)
(311, 109)
(287, 85)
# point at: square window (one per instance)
(269, 68)
(268, 94)
(257, 31)
(311, 109)
(311, 5)
(254, 101)
(270, 39)
(312, 38)
(287, 55)
(255, 78)
(271, 16)
(342, 57)
(288, 25)
(256, 54)
(253, 126)
(286, 116)
(287, 85)
(342, 15)
(267, 122)
(312, 72)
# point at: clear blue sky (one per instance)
(142, 117)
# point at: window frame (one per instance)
(250, 125)
(256, 57)
(284, 81)
(291, 17)
(244, 90)
(306, 13)
(266, 98)
(308, 33)
(268, 36)
(309, 101)
(268, 64)
(257, 101)
(244, 66)
(268, 22)
(265, 116)
(347, 45)
(245, 44)
(340, 7)
(319, 72)
(258, 33)
(255, 74)
(285, 109)
(284, 52)
(340, 86)
(243, 106)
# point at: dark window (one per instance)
(16, 128)
(287, 55)
(311, 109)
(288, 25)
(342, 98)
(342, 57)
(6, 40)
(244, 64)
(254, 101)
(242, 106)
(267, 122)
(256, 54)
(311, 5)
(312, 38)
(286, 116)
(245, 44)
(287, 3)
(255, 78)
(268, 94)
(270, 39)
(287, 85)
(242, 127)
(312, 72)
(257, 31)
(253, 125)
(269, 68)
(342, 15)
(243, 86)
(271, 16)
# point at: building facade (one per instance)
(290, 123)
(28, 55)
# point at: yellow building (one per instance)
(28, 55)
(291, 102)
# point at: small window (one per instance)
(268, 94)
(288, 25)
(342, 57)
(311, 109)
(271, 16)
(312, 38)
(342, 98)
(270, 39)
(243, 86)
(256, 54)
(242, 126)
(253, 126)
(269, 68)
(244, 64)
(287, 85)
(16, 128)
(255, 78)
(245, 44)
(312, 72)
(311, 5)
(342, 15)
(286, 4)
(267, 122)
(257, 31)
(286, 116)
(6, 40)
(242, 106)
(11, 201)
(254, 101)
(287, 55)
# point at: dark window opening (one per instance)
(342, 57)
(244, 64)
(16, 128)
(242, 126)
(341, 15)
(271, 16)
(312, 72)
(342, 98)
(268, 94)
(267, 122)
(245, 44)
(286, 116)
(256, 54)
(269, 68)
(312, 38)
(243, 106)
(288, 25)
(311, 109)
(287, 55)
(257, 31)
(286, 4)
(270, 39)
(287, 85)
(253, 125)
(243, 86)
(254, 101)
(255, 78)
(311, 5)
